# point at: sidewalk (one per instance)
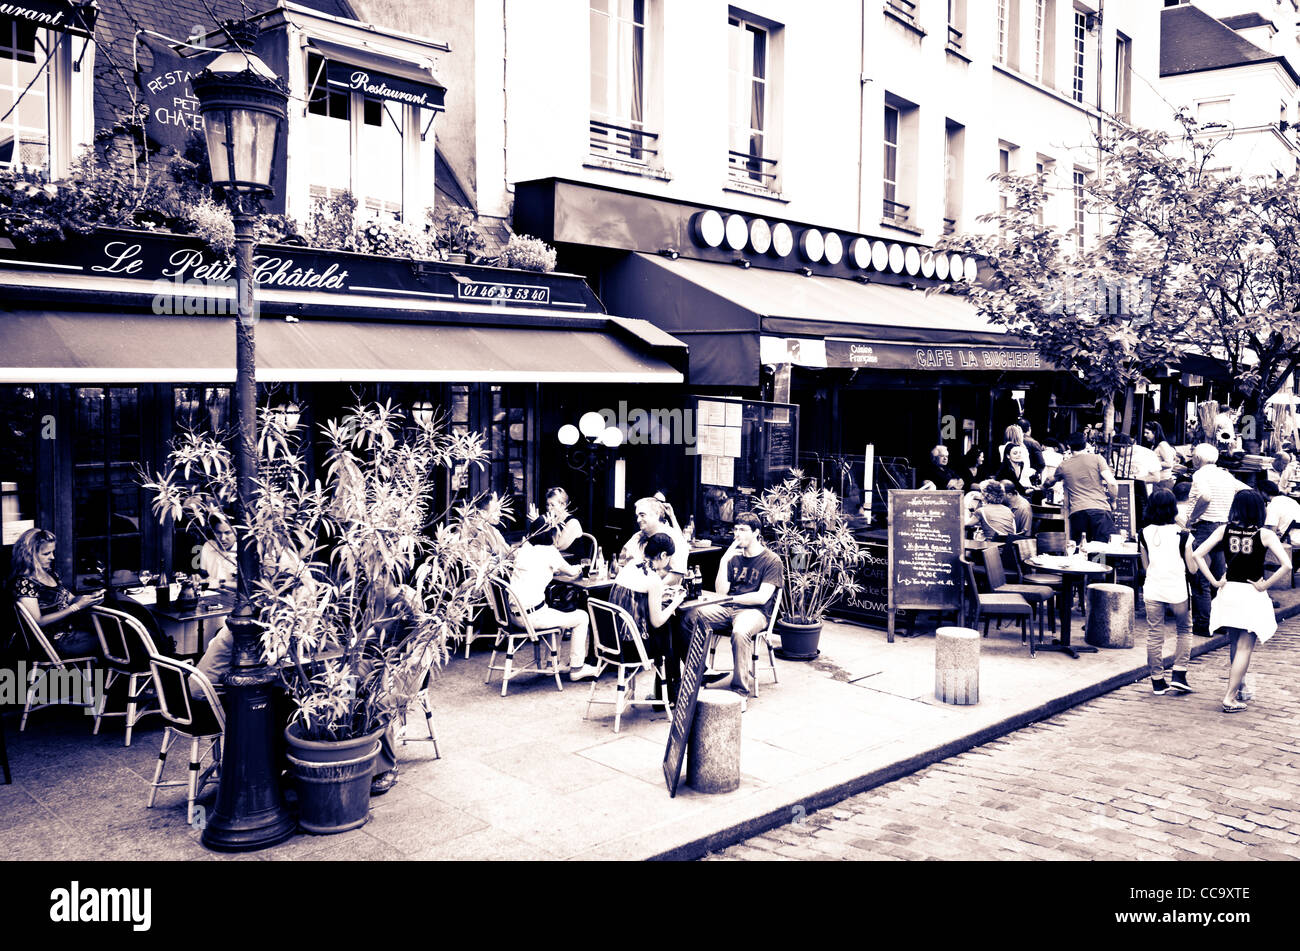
(525, 777)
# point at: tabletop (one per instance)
(706, 597)
(1067, 565)
(209, 604)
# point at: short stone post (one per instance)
(1110, 615)
(957, 665)
(713, 756)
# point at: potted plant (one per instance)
(527, 253)
(459, 235)
(809, 533)
(343, 560)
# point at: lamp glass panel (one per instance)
(591, 424)
(214, 123)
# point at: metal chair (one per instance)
(584, 548)
(127, 648)
(619, 644)
(515, 627)
(38, 670)
(764, 636)
(199, 719)
(1036, 594)
(425, 665)
(989, 605)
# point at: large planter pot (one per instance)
(333, 780)
(798, 641)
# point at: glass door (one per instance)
(107, 502)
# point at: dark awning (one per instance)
(384, 77)
(722, 311)
(74, 347)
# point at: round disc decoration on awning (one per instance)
(782, 239)
(972, 269)
(737, 232)
(760, 236)
(834, 248)
(941, 267)
(927, 264)
(957, 267)
(811, 245)
(879, 255)
(912, 260)
(708, 228)
(897, 258)
(860, 252)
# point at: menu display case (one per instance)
(739, 448)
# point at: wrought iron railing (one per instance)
(954, 37)
(950, 226)
(905, 9)
(629, 143)
(896, 211)
(755, 169)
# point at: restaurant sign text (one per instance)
(873, 354)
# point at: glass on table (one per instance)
(146, 577)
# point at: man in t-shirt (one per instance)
(537, 563)
(751, 575)
(1089, 487)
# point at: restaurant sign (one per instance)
(879, 355)
(173, 108)
(369, 82)
(59, 15)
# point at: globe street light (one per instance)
(243, 105)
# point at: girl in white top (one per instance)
(217, 557)
(1166, 558)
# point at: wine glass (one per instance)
(146, 577)
(1071, 547)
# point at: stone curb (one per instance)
(773, 818)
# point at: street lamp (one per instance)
(243, 105)
(590, 447)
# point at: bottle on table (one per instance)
(689, 532)
(162, 592)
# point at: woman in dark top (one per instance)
(972, 467)
(37, 587)
(1242, 606)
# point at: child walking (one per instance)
(1165, 557)
(1241, 605)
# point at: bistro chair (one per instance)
(990, 605)
(763, 637)
(619, 644)
(424, 670)
(198, 717)
(1022, 550)
(1051, 543)
(42, 659)
(1036, 594)
(127, 648)
(1121, 460)
(515, 627)
(584, 549)
(477, 613)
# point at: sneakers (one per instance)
(1178, 682)
(1159, 687)
(585, 672)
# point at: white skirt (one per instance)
(1238, 604)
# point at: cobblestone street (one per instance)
(1127, 776)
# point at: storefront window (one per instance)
(20, 430)
(508, 443)
(25, 53)
(106, 496)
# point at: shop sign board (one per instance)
(59, 15)
(688, 694)
(926, 538)
(889, 355)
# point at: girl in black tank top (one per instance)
(1242, 608)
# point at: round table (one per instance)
(1074, 572)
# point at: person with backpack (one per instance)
(1166, 560)
(1241, 604)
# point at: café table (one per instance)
(176, 618)
(1074, 571)
(1126, 553)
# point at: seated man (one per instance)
(652, 519)
(751, 575)
(537, 563)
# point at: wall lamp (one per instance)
(741, 262)
(670, 253)
(806, 271)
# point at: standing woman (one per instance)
(1163, 548)
(37, 587)
(1154, 437)
(1242, 605)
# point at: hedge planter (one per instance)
(333, 778)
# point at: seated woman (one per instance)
(642, 591)
(972, 467)
(1016, 468)
(487, 536)
(994, 517)
(35, 585)
(217, 557)
(567, 528)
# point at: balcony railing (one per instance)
(896, 212)
(751, 169)
(954, 37)
(622, 142)
(904, 9)
(950, 226)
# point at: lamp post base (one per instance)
(249, 813)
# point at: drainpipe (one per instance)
(862, 103)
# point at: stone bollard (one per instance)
(1110, 615)
(713, 756)
(957, 665)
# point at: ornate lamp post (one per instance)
(590, 448)
(243, 105)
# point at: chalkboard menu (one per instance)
(1124, 512)
(684, 711)
(925, 551)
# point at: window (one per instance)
(890, 174)
(1213, 113)
(1043, 167)
(1044, 36)
(749, 55)
(903, 9)
(1006, 166)
(956, 24)
(618, 102)
(1080, 203)
(25, 131)
(1123, 74)
(1008, 33)
(954, 149)
(1080, 52)
(360, 144)
(898, 171)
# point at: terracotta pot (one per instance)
(333, 778)
(798, 641)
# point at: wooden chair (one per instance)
(764, 637)
(201, 719)
(46, 659)
(1036, 594)
(515, 627)
(619, 645)
(989, 605)
(127, 649)
(1121, 460)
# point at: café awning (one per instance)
(724, 311)
(97, 347)
(376, 74)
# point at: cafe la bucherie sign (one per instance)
(890, 355)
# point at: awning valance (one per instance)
(384, 77)
(91, 348)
